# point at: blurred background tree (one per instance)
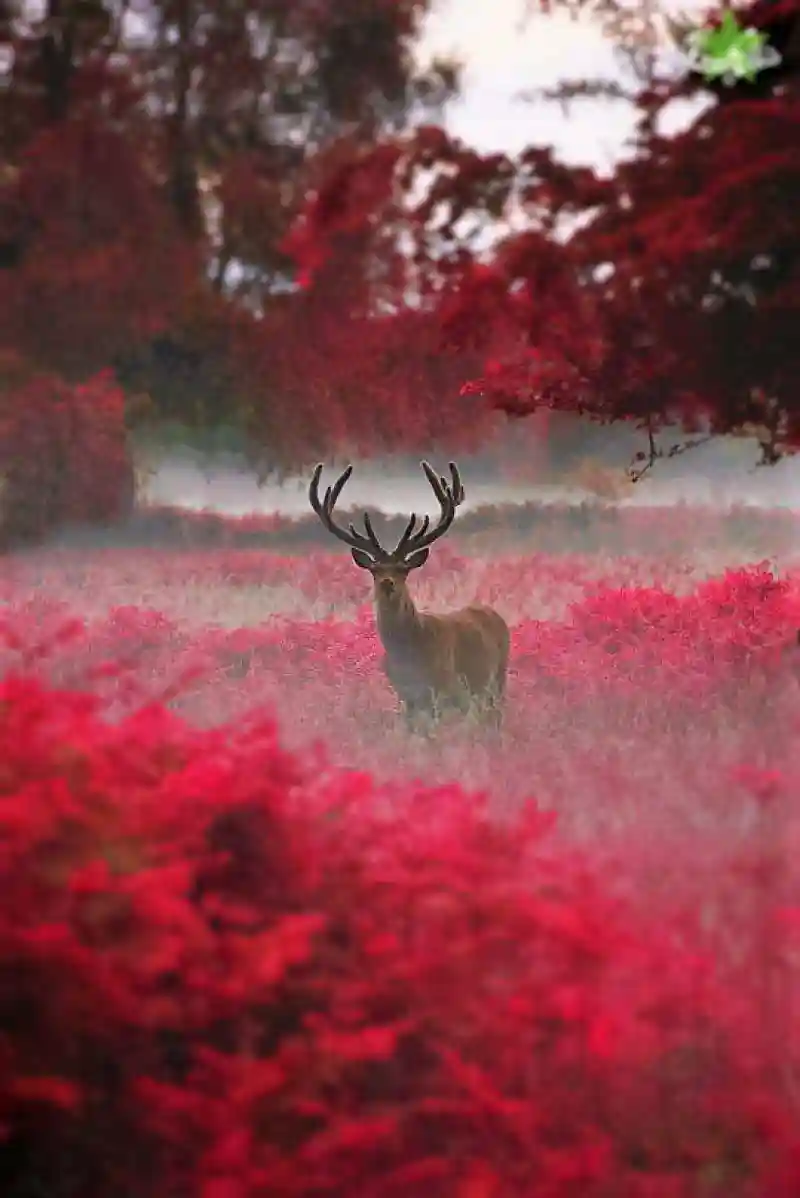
(153, 157)
(257, 215)
(665, 292)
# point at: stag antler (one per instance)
(324, 509)
(449, 495)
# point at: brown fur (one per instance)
(437, 663)
(434, 663)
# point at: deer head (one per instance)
(390, 568)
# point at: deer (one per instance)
(435, 663)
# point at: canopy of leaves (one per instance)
(154, 157)
(256, 214)
(670, 290)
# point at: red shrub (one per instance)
(63, 455)
(228, 974)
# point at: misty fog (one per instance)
(720, 473)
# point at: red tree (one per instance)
(63, 452)
(96, 266)
(149, 171)
(676, 298)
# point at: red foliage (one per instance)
(675, 298)
(96, 266)
(146, 186)
(685, 281)
(228, 973)
(63, 453)
(325, 378)
(234, 969)
(612, 639)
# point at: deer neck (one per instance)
(398, 622)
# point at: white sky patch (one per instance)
(504, 56)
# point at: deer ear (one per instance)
(416, 559)
(362, 559)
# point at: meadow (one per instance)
(566, 956)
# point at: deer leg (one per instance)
(493, 713)
(458, 697)
(495, 701)
(419, 719)
(411, 717)
(419, 710)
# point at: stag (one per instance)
(434, 662)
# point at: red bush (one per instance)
(63, 454)
(226, 974)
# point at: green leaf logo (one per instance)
(730, 52)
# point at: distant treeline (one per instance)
(532, 527)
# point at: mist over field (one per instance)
(722, 473)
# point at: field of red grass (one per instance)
(651, 736)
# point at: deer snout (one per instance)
(387, 586)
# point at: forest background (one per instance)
(254, 219)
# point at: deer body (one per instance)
(434, 662)
(437, 663)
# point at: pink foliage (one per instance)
(63, 455)
(229, 977)
(238, 964)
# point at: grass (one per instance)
(653, 697)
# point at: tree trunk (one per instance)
(184, 189)
(57, 61)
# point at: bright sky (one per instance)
(502, 58)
